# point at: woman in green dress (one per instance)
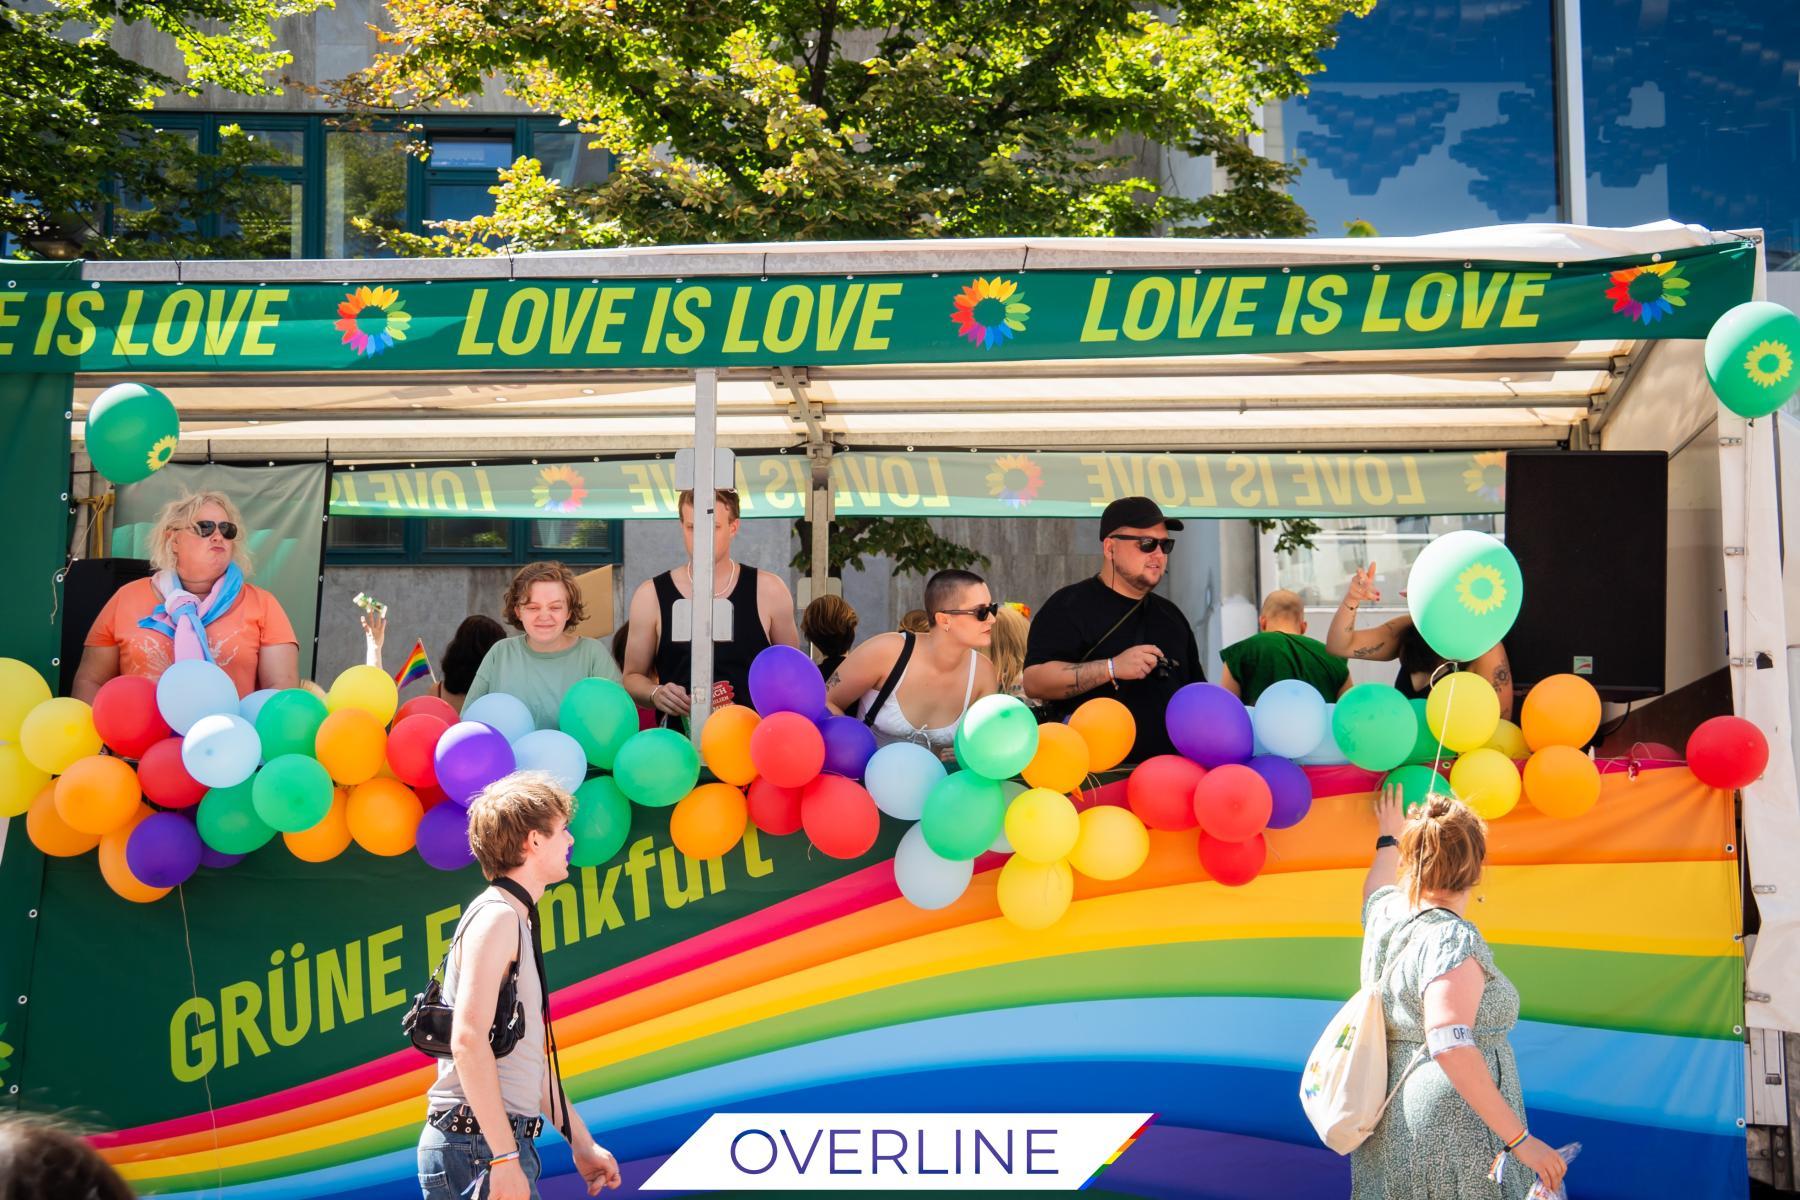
(1456, 1128)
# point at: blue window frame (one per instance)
(491, 541)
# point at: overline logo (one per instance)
(898, 1151)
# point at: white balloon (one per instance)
(925, 879)
(555, 753)
(497, 710)
(900, 775)
(191, 689)
(221, 751)
(252, 704)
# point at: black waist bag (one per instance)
(429, 1019)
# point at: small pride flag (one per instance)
(416, 666)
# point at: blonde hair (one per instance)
(1007, 647)
(181, 513)
(519, 591)
(915, 621)
(1442, 848)
(505, 814)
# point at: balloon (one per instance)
(217, 861)
(1209, 725)
(657, 767)
(58, 732)
(292, 793)
(1233, 863)
(1233, 803)
(1562, 710)
(1561, 781)
(1112, 843)
(369, 688)
(601, 715)
(554, 753)
(839, 816)
(131, 430)
(330, 837)
(1417, 783)
(709, 821)
(1160, 791)
(98, 794)
(1750, 356)
(849, 744)
(1462, 711)
(220, 750)
(117, 871)
(163, 850)
(1486, 781)
(962, 815)
(725, 743)
(443, 838)
(412, 748)
(1035, 895)
(1042, 825)
(427, 706)
(1425, 745)
(1727, 752)
(468, 757)
(997, 736)
(384, 816)
(926, 880)
(1328, 753)
(1108, 728)
(193, 688)
(1061, 761)
(782, 679)
(1290, 790)
(250, 706)
(787, 748)
(21, 690)
(1374, 726)
(1464, 592)
(228, 822)
(20, 782)
(289, 721)
(165, 778)
(900, 776)
(50, 833)
(774, 809)
(1509, 740)
(351, 745)
(125, 715)
(505, 713)
(1010, 790)
(601, 823)
(1290, 719)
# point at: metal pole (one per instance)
(1571, 114)
(706, 413)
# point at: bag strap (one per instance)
(513, 889)
(1393, 960)
(461, 928)
(1101, 640)
(1381, 986)
(893, 676)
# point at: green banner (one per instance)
(876, 319)
(903, 484)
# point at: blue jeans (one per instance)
(451, 1163)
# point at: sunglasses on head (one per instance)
(226, 529)
(1146, 544)
(981, 612)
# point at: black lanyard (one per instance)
(512, 888)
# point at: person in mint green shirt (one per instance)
(1281, 650)
(548, 657)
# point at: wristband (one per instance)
(510, 1156)
(1443, 1038)
(1518, 1141)
(1386, 840)
(659, 687)
(1111, 674)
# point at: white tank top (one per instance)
(522, 1072)
(892, 726)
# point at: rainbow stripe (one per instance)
(416, 666)
(1166, 992)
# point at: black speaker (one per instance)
(89, 584)
(1591, 532)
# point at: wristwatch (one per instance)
(1386, 840)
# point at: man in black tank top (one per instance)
(658, 668)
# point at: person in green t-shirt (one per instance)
(548, 657)
(1281, 650)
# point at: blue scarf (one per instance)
(183, 617)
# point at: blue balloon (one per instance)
(191, 689)
(925, 879)
(900, 775)
(554, 753)
(221, 751)
(252, 704)
(1290, 718)
(849, 744)
(500, 711)
(1326, 753)
(782, 679)
(1288, 786)
(1209, 725)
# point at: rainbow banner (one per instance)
(416, 666)
(777, 980)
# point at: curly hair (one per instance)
(1442, 848)
(519, 590)
(180, 513)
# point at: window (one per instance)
(494, 541)
(365, 190)
(268, 211)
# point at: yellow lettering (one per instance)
(222, 323)
(1163, 294)
(1330, 312)
(606, 317)
(1416, 317)
(1415, 490)
(686, 301)
(381, 965)
(1373, 482)
(9, 319)
(262, 321)
(86, 335)
(873, 311)
(1290, 305)
(659, 308)
(192, 1055)
(834, 322)
(1091, 329)
(1243, 480)
(1306, 481)
(902, 484)
(510, 340)
(799, 297)
(1238, 305)
(439, 930)
(471, 344)
(1203, 494)
(178, 323)
(1193, 320)
(1099, 479)
(1373, 321)
(52, 312)
(1478, 302)
(939, 496)
(565, 326)
(735, 342)
(241, 1002)
(1526, 285)
(123, 346)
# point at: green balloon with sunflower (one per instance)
(131, 431)
(1464, 593)
(1750, 358)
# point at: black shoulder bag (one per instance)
(893, 677)
(428, 1021)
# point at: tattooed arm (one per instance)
(866, 668)
(1496, 668)
(1344, 639)
(1060, 680)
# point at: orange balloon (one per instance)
(1107, 728)
(383, 816)
(1563, 710)
(1561, 781)
(114, 870)
(97, 794)
(331, 836)
(725, 743)
(1061, 761)
(351, 745)
(50, 833)
(709, 820)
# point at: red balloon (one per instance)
(1160, 791)
(1727, 752)
(430, 706)
(431, 796)
(773, 808)
(126, 716)
(412, 745)
(1233, 803)
(788, 749)
(1233, 863)
(164, 780)
(839, 815)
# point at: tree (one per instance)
(910, 542)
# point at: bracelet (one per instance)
(1518, 1141)
(509, 1156)
(652, 697)
(1111, 674)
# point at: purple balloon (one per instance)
(444, 837)
(164, 850)
(849, 744)
(212, 858)
(470, 756)
(1210, 725)
(782, 679)
(1290, 787)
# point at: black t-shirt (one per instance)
(1069, 628)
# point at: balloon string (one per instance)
(205, 1079)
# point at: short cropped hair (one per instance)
(829, 623)
(726, 498)
(180, 513)
(519, 590)
(1442, 848)
(1283, 605)
(468, 646)
(506, 812)
(943, 589)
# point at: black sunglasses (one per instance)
(981, 612)
(226, 529)
(1145, 544)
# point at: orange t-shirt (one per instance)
(235, 639)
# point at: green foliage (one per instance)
(1296, 532)
(914, 546)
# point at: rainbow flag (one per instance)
(416, 666)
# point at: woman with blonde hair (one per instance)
(1012, 625)
(198, 604)
(548, 657)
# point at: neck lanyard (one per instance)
(513, 889)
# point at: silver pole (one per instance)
(1571, 114)
(706, 412)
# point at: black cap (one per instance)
(1136, 512)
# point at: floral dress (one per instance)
(1430, 1145)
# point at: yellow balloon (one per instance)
(368, 688)
(1462, 711)
(1487, 781)
(1113, 843)
(21, 690)
(1042, 825)
(20, 782)
(1035, 895)
(57, 733)
(1509, 740)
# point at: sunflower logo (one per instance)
(990, 311)
(1649, 293)
(161, 452)
(1768, 363)
(371, 320)
(1486, 476)
(1480, 589)
(6, 1053)
(559, 490)
(1014, 480)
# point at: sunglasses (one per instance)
(226, 529)
(1148, 545)
(981, 612)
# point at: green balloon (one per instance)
(656, 767)
(601, 823)
(1416, 782)
(600, 715)
(1425, 747)
(131, 432)
(291, 793)
(1374, 726)
(228, 822)
(289, 722)
(964, 813)
(1464, 592)
(997, 737)
(1752, 356)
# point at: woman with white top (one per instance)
(935, 675)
